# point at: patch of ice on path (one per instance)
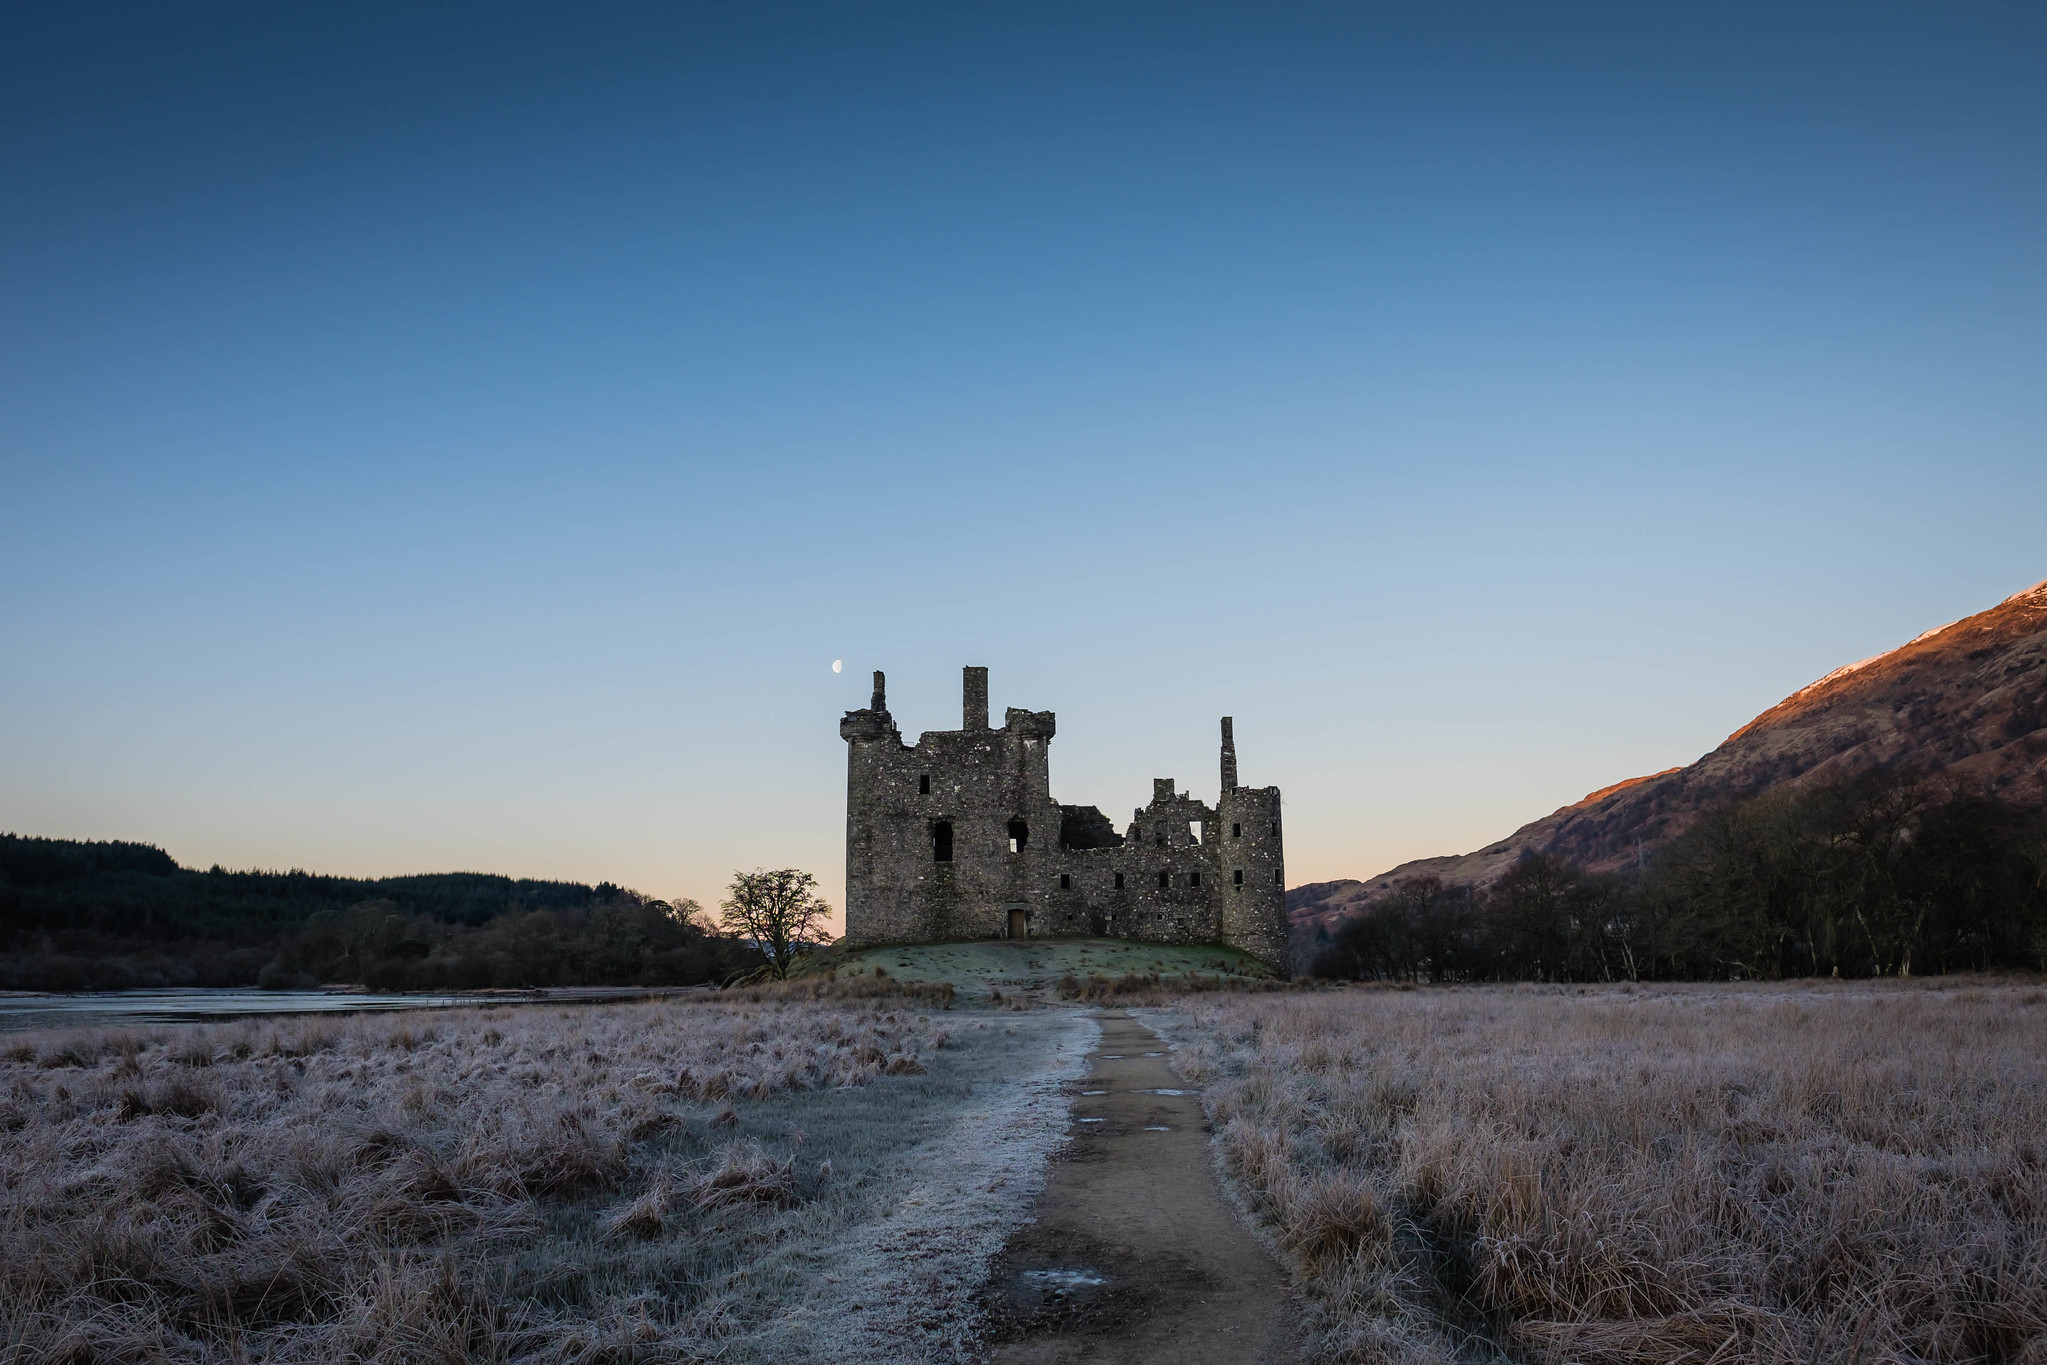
(1064, 1281)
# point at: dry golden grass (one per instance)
(831, 986)
(1152, 988)
(468, 1185)
(1809, 1174)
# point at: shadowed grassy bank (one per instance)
(1029, 966)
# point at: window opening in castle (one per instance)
(1065, 882)
(941, 841)
(924, 785)
(1236, 831)
(1119, 881)
(1158, 835)
(1277, 880)
(1237, 878)
(1165, 880)
(1019, 835)
(1275, 829)
(1194, 829)
(1193, 879)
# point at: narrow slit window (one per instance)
(1275, 829)
(1193, 879)
(1236, 831)
(1277, 880)
(1194, 830)
(1065, 882)
(1237, 877)
(1165, 880)
(1119, 881)
(941, 841)
(924, 785)
(1019, 835)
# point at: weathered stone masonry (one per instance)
(958, 837)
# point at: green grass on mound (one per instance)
(1032, 964)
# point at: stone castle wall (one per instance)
(959, 837)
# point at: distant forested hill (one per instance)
(108, 915)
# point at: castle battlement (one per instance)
(958, 837)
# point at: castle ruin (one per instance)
(958, 837)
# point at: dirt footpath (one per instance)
(1134, 1255)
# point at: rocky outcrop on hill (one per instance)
(1967, 702)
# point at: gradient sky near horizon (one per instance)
(463, 437)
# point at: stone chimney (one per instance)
(973, 698)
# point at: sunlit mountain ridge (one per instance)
(1964, 704)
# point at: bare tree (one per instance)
(686, 912)
(780, 912)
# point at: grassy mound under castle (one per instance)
(1011, 965)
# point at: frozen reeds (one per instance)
(1694, 1174)
(403, 1187)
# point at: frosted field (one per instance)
(663, 1181)
(1795, 1173)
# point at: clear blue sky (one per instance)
(463, 437)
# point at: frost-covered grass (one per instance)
(1803, 1173)
(655, 1181)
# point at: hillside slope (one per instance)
(1967, 701)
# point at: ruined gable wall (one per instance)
(1239, 837)
(1183, 910)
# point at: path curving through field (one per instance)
(1134, 1256)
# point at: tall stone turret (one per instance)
(1254, 914)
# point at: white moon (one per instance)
(837, 664)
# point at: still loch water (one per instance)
(26, 1010)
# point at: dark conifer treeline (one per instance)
(1880, 876)
(103, 916)
(616, 939)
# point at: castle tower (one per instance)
(1252, 845)
(953, 837)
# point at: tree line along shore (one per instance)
(1887, 874)
(113, 915)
